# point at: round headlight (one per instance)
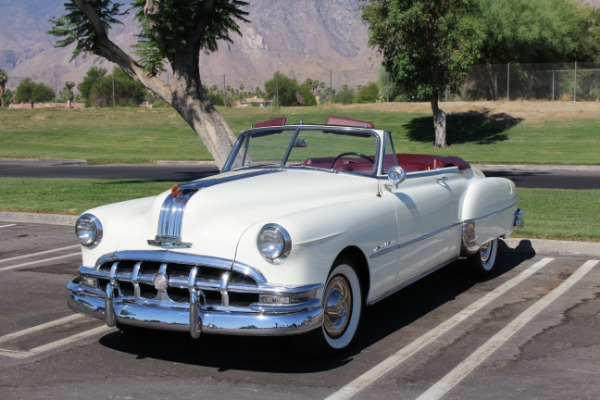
(89, 230)
(274, 242)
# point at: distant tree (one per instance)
(388, 87)
(427, 46)
(306, 96)
(66, 94)
(533, 31)
(8, 97)
(3, 80)
(282, 89)
(289, 92)
(345, 95)
(259, 93)
(92, 77)
(171, 31)
(593, 37)
(31, 92)
(368, 93)
(127, 92)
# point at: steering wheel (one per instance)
(352, 153)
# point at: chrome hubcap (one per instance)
(338, 306)
(485, 252)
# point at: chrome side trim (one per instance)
(413, 241)
(466, 223)
(409, 282)
(471, 220)
(432, 172)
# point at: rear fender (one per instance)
(488, 211)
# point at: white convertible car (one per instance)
(305, 227)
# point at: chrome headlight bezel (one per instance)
(274, 243)
(89, 230)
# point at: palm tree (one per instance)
(3, 79)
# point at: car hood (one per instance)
(224, 206)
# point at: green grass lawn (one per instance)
(133, 135)
(560, 214)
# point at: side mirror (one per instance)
(396, 175)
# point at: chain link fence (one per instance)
(566, 82)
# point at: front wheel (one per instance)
(342, 305)
(482, 262)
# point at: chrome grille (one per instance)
(218, 287)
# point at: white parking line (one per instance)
(39, 261)
(41, 327)
(444, 385)
(39, 253)
(7, 226)
(53, 345)
(406, 352)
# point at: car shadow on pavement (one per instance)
(279, 355)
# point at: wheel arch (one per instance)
(360, 262)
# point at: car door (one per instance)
(426, 216)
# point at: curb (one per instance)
(45, 161)
(550, 247)
(35, 218)
(538, 167)
(171, 162)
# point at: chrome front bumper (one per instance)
(165, 315)
(183, 292)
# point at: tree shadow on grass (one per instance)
(480, 127)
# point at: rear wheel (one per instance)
(342, 304)
(482, 262)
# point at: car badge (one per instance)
(168, 242)
(160, 282)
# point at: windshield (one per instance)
(329, 148)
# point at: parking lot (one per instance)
(532, 330)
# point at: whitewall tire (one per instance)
(343, 306)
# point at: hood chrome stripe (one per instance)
(170, 219)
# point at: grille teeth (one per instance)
(136, 279)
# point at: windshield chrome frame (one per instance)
(387, 136)
(235, 151)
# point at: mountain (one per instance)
(319, 39)
(301, 38)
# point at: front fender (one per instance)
(319, 235)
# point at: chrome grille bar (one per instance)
(126, 278)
